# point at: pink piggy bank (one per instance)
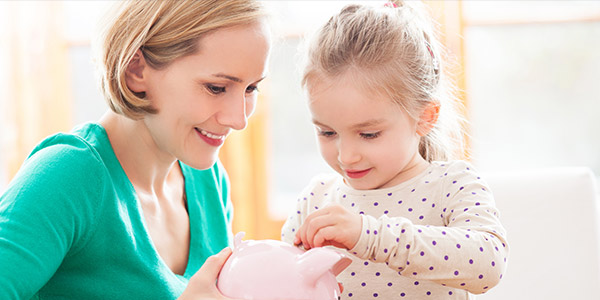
(274, 270)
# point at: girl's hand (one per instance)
(332, 225)
(203, 284)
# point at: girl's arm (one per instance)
(469, 252)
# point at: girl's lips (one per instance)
(354, 174)
(212, 139)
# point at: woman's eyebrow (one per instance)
(228, 77)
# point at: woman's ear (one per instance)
(134, 75)
(428, 118)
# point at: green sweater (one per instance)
(71, 226)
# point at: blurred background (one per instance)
(528, 72)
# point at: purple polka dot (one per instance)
(389, 194)
(377, 274)
(407, 246)
(389, 284)
(349, 294)
(402, 294)
(375, 295)
(434, 243)
(424, 199)
(375, 232)
(431, 268)
(385, 250)
(493, 263)
(428, 293)
(480, 276)
(363, 284)
(410, 209)
(471, 261)
(458, 246)
(416, 283)
(445, 257)
(368, 231)
(375, 204)
(366, 263)
(422, 253)
(400, 202)
(353, 273)
(455, 273)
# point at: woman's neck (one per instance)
(148, 168)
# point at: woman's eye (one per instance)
(251, 89)
(214, 89)
(370, 135)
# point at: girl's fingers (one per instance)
(317, 224)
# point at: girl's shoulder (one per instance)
(453, 167)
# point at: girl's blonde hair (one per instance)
(395, 50)
(164, 31)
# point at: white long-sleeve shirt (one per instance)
(435, 236)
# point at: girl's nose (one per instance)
(348, 154)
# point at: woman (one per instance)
(132, 206)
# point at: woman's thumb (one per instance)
(212, 266)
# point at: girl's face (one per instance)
(369, 140)
(201, 97)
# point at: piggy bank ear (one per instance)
(237, 240)
(317, 261)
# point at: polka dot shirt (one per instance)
(435, 236)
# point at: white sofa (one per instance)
(552, 219)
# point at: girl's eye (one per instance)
(370, 135)
(214, 89)
(325, 133)
(251, 89)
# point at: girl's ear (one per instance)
(428, 118)
(134, 75)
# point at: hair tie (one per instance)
(435, 62)
(391, 4)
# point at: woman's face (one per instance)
(200, 98)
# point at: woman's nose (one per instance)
(235, 113)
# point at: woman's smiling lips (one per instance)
(354, 174)
(212, 139)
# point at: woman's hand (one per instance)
(203, 284)
(332, 225)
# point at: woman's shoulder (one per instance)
(68, 150)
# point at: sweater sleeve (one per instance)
(469, 252)
(45, 215)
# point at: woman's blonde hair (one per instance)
(163, 30)
(395, 50)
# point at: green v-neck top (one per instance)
(71, 226)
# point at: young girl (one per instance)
(417, 225)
